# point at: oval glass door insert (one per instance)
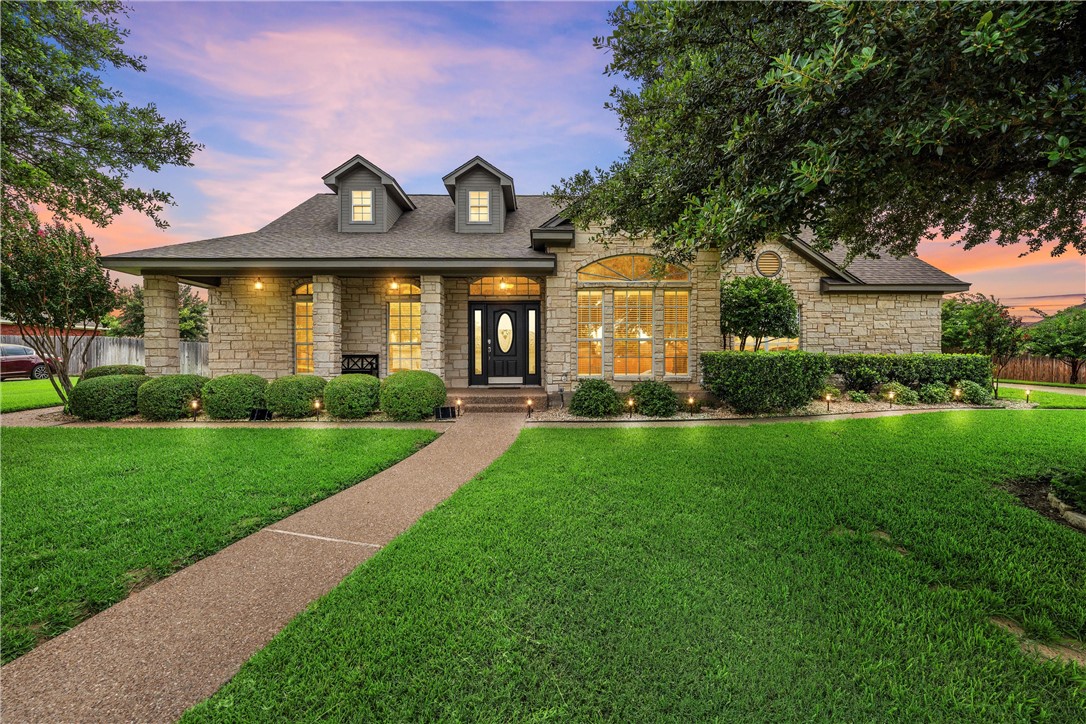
(505, 333)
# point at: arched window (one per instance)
(632, 268)
(303, 328)
(404, 326)
(505, 287)
(403, 289)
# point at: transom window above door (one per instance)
(632, 268)
(505, 287)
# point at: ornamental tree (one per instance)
(1061, 336)
(758, 308)
(55, 290)
(873, 124)
(70, 141)
(976, 324)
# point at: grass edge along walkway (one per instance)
(844, 570)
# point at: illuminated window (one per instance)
(402, 289)
(589, 333)
(303, 329)
(633, 332)
(676, 332)
(362, 206)
(404, 336)
(632, 268)
(505, 287)
(479, 207)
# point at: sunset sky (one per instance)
(281, 93)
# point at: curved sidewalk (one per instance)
(158, 652)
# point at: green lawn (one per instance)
(1050, 400)
(707, 573)
(1077, 385)
(88, 514)
(18, 395)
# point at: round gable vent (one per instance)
(769, 263)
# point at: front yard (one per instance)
(89, 515)
(1045, 399)
(18, 395)
(838, 570)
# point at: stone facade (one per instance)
(433, 324)
(161, 336)
(251, 330)
(327, 323)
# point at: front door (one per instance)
(504, 339)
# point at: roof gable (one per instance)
(392, 187)
(506, 181)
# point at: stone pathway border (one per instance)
(158, 652)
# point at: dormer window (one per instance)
(478, 207)
(362, 206)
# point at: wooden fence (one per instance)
(126, 351)
(1037, 369)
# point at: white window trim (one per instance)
(372, 203)
(489, 216)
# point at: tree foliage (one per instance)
(874, 124)
(55, 290)
(191, 314)
(1061, 336)
(70, 141)
(759, 308)
(976, 324)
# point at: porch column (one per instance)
(161, 336)
(327, 325)
(433, 324)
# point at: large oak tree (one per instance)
(874, 124)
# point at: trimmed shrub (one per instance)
(902, 394)
(913, 370)
(595, 398)
(294, 395)
(352, 396)
(654, 399)
(862, 378)
(169, 397)
(107, 370)
(830, 390)
(859, 396)
(410, 395)
(934, 393)
(233, 397)
(756, 382)
(974, 394)
(106, 398)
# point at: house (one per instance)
(486, 287)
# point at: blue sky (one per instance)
(281, 93)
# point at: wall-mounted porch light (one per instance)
(395, 285)
(502, 285)
(259, 286)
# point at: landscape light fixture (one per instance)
(530, 403)
(317, 407)
(1027, 397)
(195, 408)
(690, 405)
(259, 286)
(630, 404)
(459, 407)
(957, 393)
(828, 402)
(891, 399)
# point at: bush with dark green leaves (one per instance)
(902, 395)
(758, 382)
(934, 393)
(974, 394)
(233, 397)
(107, 370)
(654, 399)
(911, 370)
(352, 396)
(410, 395)
(169, 397)
(858, 396)
(294, 395)
(108, 398)
(595, 398)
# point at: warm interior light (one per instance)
(259, 284)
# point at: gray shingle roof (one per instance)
(890, 270)
(310, 231)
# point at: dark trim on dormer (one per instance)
(392, 187)
(509, 193)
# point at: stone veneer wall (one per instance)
(457, 354)
(560, 314)
(249, 330)
(161, 333)
(884, 323)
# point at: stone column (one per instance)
(161, 337)
(327, 325)
(433, 324)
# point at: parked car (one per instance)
(19, 361)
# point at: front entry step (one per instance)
(498, 399)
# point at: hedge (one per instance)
(654, 399)
(595, 398)
(294, 395)
(352, 396)
(911, 370)
(757, 382)
(169, 397)
(410, 395)
(233, 397)
(106, 398)
(107, 370)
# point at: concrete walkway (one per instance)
(1041, 387)
(155, 654)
